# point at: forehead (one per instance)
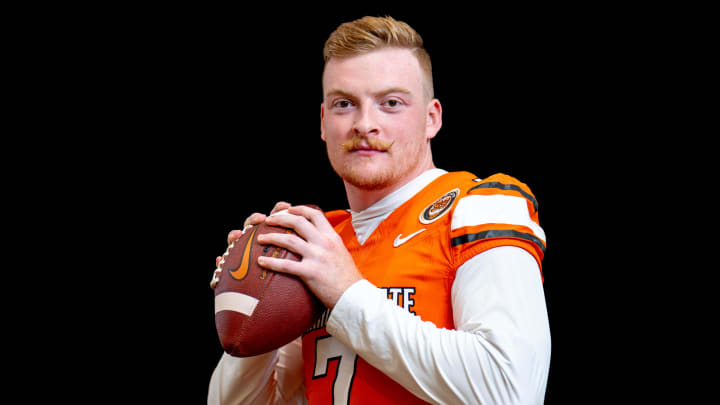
(373, 71)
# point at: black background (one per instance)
(178, 122)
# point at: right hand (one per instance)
(254, 219)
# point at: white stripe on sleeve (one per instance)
(475, 210)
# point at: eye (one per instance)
(342, 104)
(392, 103)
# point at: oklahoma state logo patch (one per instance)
(439, 207)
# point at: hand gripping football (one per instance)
(258, 310)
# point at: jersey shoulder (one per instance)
(336, 217)
(496, 211)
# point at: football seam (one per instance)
(266, 284)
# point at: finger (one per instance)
(281, 265)
(281, 205)
(255, 219)
(288, 241)
(234, 235)
(299, 224)
(315, 216)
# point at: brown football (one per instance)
(259, 310)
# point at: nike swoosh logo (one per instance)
(399, 240)
(242, 269)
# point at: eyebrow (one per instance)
(384, 92)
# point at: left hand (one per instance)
(326, 267)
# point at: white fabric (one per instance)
(494, 209)
(271, 378)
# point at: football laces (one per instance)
(216, 274)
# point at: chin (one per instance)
(368, 179)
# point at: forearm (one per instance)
(274, 377)
(490, 362)
(437, 365)
(242, 380)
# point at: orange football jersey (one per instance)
(413, 256)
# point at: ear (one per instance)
(322, 122)
(434, 119)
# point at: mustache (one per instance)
(358, 141)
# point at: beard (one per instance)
(365, 179)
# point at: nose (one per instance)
(365, 123)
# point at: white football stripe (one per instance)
(494, 209)
(234, 301)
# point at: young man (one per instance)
(432, 279)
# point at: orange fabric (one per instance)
(463, 253)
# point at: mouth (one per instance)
(367, 147)
(367, 151)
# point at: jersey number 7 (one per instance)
(327, 348)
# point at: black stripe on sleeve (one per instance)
(502, 186)
(471, 237)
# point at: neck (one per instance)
(359, 199)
